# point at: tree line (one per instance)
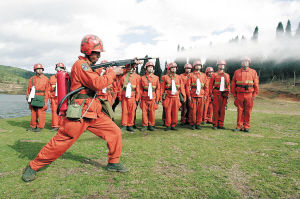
(268, 68)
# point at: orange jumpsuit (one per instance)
(56, 120)
(148, 105)
(129, 104)
(172, 102)
(38, 115)
(244, 89)
(93, 119)
(208, 105)
(185, 118)
(116, 90)
(197, 101)
(108, 95)
(219, 97)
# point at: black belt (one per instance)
(246, 87)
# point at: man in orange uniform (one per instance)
(244, 89)
(91, 119)
(208, 106)
(117, 90)
(38, 85)
(56, 120)
(185, 119)
(197, 90)
(150, 95)
(219, 92)
(129, 96)
(171, 87)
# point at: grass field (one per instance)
(173, 164)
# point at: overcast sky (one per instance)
(50, 31)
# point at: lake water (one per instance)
(14, 106)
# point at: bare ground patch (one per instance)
(2, 130)
(290, 143)
(253, 135)
(164, 168)
(38, 141)
(239, 180)
(115, 191)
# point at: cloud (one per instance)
(50, 31)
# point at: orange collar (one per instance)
(247, 69)
(85, 59)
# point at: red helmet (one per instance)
(91, 43)
(149, 63)
(188, 66)
(38, 66)
(221, 62)
(171, 65)
(196, 63)
(209, 69)
(246, 59)
(60, 65)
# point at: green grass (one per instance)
(174, 164)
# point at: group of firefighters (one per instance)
(201, 96)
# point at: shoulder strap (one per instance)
(147, 79)
(35, 83)
(126, 80)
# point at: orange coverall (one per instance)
(56, 120)
(148, 105)
(172, 102)
(109, 89)
(219, 97)
(117, 90)
(185, 117)
(129, 104)
(38, 115)
(244, 89)
(208, 105)
(197, 101)
(94, 120)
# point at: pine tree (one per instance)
(157, 68)
(243, 39)
(143, 70)
(255, 34)
(180, 65)
(165, 71)
(288, 29)
(279, 31)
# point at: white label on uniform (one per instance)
(150, 95)
(32, 94)
(128, 90)
(173, 91)
(198, 88)
(222, 85)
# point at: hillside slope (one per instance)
(14, 80)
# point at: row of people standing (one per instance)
(208, 105)
(40, 85)
(201, 96)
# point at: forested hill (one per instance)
(14, 80)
